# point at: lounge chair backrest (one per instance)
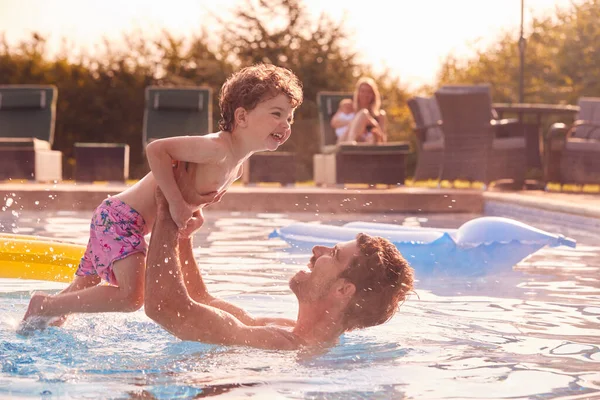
(177, 112)
(589, 110)
(468, 133)
(465, 111)
(426, 113)
(328, 104)
(481, 88)
(28, 111)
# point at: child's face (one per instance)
(270, 122)
(346, 106)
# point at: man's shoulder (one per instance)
(280, 338)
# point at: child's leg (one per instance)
(79, 283)
(127, 297)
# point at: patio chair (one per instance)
(472, 149)
(27, 115)
(505, 127)
(430, 138)
(176, 111)
(573, 152)
(354, 163)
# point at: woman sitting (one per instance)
(361, 120)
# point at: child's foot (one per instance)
(58, 321)
(34, 318)
(36, 305)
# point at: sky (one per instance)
(408, 37)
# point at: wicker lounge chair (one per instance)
(472, 150)
(573, 152)
(27, 115)
(354, 163)
(430, 138)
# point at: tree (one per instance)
(280, 32)
(101, 96)
(562, 61)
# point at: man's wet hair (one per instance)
(383, 279)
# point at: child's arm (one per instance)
(336, 121)
(162, 152)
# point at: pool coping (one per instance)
(581, 205)
(305, 198)
(79, 197)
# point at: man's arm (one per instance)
(168, 303)
(198, 291)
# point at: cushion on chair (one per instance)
(509, 143)
(16, 99)
(182, 100)
(577, 144)
(330, 148)
(23, 144)
(434, 144)
(328, 104)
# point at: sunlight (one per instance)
(411, 41)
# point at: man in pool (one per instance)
(355, 284)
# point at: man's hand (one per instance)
(192, 225)
(164, 206)
(181, 213)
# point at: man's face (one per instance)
(325, 266)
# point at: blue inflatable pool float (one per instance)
(478, 247)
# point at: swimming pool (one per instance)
(533, 332)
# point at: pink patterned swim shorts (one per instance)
(116, 231)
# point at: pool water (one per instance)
(531, 332)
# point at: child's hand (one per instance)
(193, 225)
(181, 213)
(186, 212)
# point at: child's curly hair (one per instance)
(251, 85)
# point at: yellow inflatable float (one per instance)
(34, 257)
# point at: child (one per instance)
(257, 107)
(344, 116)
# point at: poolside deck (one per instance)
(29, 196)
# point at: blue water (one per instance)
(530, 332)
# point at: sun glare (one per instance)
(410, 42)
